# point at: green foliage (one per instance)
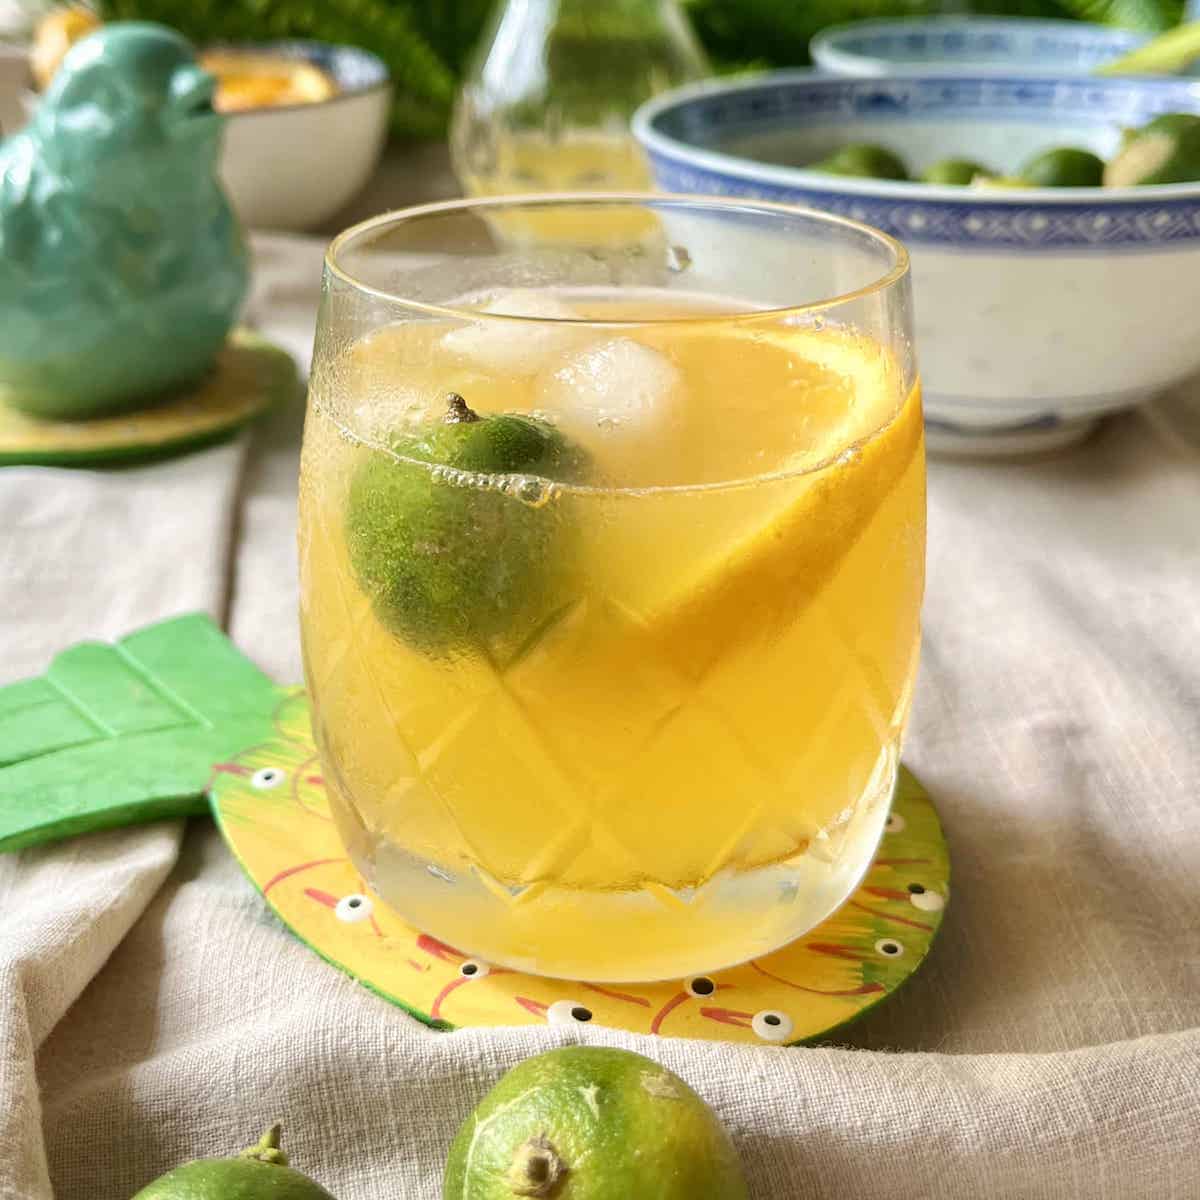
(116, 735)
(1150, 15)
(776, 32)
(428, 43)
(424, 42)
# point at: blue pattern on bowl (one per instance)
(1092, 309)
(1009, 45)
(681, 131)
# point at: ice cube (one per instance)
(615, 384)
(517, 347)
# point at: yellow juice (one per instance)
(683, 747)
(583, 161)
(576, 161)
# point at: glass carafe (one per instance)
(547, 101)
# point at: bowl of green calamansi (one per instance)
(1053, 223)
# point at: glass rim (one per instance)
(899, 269)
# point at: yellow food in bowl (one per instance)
(55, 34)
(247, 80)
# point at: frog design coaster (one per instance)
(149, 727)
(249, 375)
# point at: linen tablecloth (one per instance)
(151, 1009)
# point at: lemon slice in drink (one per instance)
(733, 558)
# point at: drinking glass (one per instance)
(612, 556)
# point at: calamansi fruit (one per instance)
(260, 1173)
(959, 171)
(863, 159)
(1165, 150)
(1066, 166)
(592, 1123)
(450, 533)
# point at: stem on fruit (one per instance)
(537, 1169)
(266, 1149)
(457, 412)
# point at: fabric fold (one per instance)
(89, 555)
(1048, 1048)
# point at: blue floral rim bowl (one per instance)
(970, 45)
(1038, 309)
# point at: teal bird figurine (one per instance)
(122, 266)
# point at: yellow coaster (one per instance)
(250, 375)
(271, 806)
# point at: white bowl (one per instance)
(1037, 310)
(287, 168)
(293, 168)
(970, 45)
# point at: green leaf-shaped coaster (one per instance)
(250, 374)
(113, 735)
(116, 735)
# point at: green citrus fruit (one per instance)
(954, 171)
(260, 1173)
(450, 534)
(1063, 167)
(1165, 150)
(865, 160)
(592, 1123)
(987, 183)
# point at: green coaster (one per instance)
(249, 375)
(151, 726)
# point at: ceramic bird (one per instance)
(122, 267)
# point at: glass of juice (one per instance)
(612, 556)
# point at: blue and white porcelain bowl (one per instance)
(1037, 310)
(970, 45)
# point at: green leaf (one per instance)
(120, 734)
(1151, 16)
(1163, 55)
(778, 31)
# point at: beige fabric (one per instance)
(151, 1009)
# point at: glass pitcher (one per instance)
(547, 100)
